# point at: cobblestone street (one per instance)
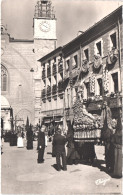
(22, 175)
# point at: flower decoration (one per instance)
(97, 61)
(92, 83)
(112, 56)
(105, 79)
(85, 66)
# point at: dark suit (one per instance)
(41, 142)
(59, 144)
(29, 139)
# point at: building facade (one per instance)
(92, 61)
(40, 81)
(52, 108)
(21, 70)
(17, 59)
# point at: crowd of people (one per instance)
(85, 151)
(77, 152)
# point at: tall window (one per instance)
(86, 54)
(75, 64)
(54, 59)
(115, 82)
(113, 40)
(4, 78)
(87, 85)
(49, 62)
(99, 48)
(99, 86)
(67, 64)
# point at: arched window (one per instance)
(4, 78)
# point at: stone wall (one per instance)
(18, 59)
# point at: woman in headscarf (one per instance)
(107, 133)
(30, 138)
(117, 141)
(72, 153)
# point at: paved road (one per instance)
(22, 175)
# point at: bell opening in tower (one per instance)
(44, 9)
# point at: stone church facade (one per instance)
(21, 70)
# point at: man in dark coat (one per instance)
(59, 144)
(107, 133)
(41, 144)
(30, 138)
(72, 153)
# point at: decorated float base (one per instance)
(88, 136)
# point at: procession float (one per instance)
(87, 127)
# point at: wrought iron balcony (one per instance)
(54, 89)
(48, 91)
(48, 71)
(54, 69)
(43, 74)
(60, 66)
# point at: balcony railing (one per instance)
(60, 87)
(54, 89)
(48, 91)
(48, 71)
(43, 74)
(60, 66)
(54, 69)
(43, 94)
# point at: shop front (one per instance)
(53, 119)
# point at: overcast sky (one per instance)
(72, 16)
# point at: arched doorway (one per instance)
(5, 114)
(23, 114)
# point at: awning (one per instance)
(47, 121)
(58, 120)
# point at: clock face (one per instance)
(44, 26)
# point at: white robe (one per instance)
(20, 142)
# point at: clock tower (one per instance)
(44, 24)
(44, 28)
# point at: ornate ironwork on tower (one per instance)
(44, 9)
